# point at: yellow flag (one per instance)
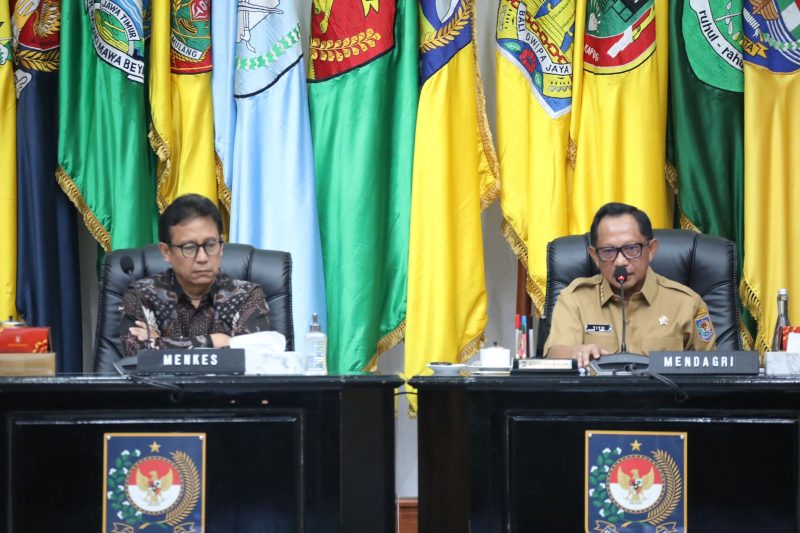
(454, 177)
(620, 109)
(182, 131)
(534, 98)
(771, 162)
(8, 171)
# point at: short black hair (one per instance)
(187, 207)
(616, 209)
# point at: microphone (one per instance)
(621, 275)
(126, 263)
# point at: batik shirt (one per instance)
(233, 307)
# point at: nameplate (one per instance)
(536, 365)
(192, 361)
(719, 362)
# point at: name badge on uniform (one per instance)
(598, 328)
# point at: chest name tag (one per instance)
(598, 328)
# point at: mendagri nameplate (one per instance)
(192, 361)
(719, 362)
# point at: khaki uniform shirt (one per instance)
(663, 316)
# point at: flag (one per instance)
(223, 50)
(182, 129)
(105, 164)
(534, 98)
(363, 100)
(273, 190)
(455, 172)
(771, 187)
(707, 117)
(619, 109)
(8, 171)
(48, 276)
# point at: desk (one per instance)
(286, 454)
(507, 453)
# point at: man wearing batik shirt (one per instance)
(192, 304)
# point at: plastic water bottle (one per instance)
(316, 349)
(782, 321)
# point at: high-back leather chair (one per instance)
(270, 269)
(704, 263)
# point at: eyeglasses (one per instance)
(630, 251)
(190, 249)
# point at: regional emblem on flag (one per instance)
(712, 34)
(635, 481)
(190, 38)
(620, 35)
(537, 36)
(36, 35)
(772, 34)
(154, 479)
(347, 34)
(267, 45)
(119, 34)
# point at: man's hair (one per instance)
(187, 207)
(616, 209)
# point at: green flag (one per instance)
(363, 98)
(707, 116)
(105, 162)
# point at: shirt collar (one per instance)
(181, 294)
(648, 291)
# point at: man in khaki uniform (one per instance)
(662, 314)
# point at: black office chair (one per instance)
(270, 269)
(704, 263)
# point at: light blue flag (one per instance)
(273, 191)
(223, 50)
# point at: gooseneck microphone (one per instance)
(126, 263)
(621, 275)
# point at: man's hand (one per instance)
(140, 331)
(220, 340)
(584, 353)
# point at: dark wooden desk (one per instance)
(284, 454)
(507, 453)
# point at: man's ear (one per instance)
(652, 248)
(164, 249)
(593, 254)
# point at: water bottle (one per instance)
(315, 349)
(783, 320)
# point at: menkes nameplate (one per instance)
(709, 363)
(192, 361)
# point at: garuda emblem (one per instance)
(635, 481)
(153, 479)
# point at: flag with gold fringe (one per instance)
(706, 144)
(105, 164)
(534, 98)
(619, 109)
(182, 129)
(274, 198)
(363, 91)
(47, 254)
(455, 171)
(772, 160)
(8, 170)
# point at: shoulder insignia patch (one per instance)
(703, 324)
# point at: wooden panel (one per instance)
(407, 512)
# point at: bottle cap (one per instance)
(783, 292)
(314, 326)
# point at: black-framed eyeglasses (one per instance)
(189, 249)
(607, 254)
